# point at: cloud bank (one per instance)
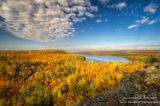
(43, 20)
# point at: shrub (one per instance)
(151, 60)
(4, 90)
(31, 67)
(3, 68)
(3, 57)
(80, 88)
(36, 96)
(3, 102)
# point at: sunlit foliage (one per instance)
(53, 77)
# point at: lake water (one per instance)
(104, 58)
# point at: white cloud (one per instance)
(153, 22)
(89, 14)
(119, 6)
(143, 20)
(101, 20)
(132, 26)
(44, 20)
(151, 9)
(104, 1)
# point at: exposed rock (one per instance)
(157, 65)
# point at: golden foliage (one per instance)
(53, 77)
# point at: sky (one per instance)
(79, 24)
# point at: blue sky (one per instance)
(83, 24)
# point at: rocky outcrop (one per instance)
(137, 89)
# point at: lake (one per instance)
(104, 58)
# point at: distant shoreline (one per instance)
(129, 54)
